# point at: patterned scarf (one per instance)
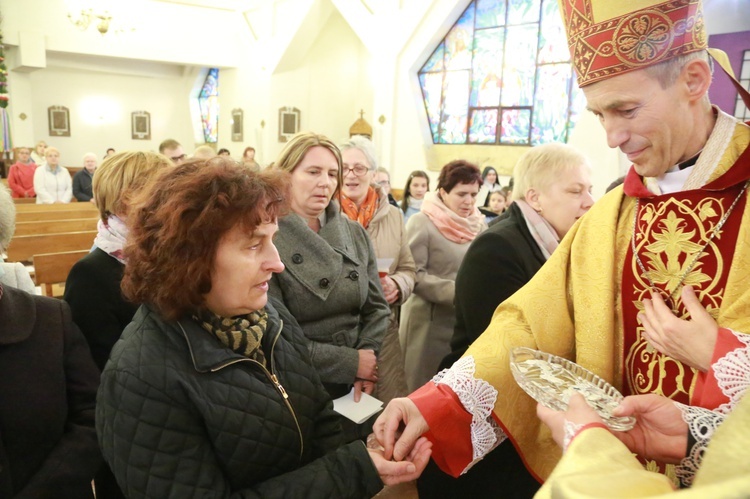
(543, 233)
(365, 212)
(111, 237)
(241, 334)
(453, 227)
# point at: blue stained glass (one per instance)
(553, 44)
(458, 42)
(523, 11)
(514, 127)
(208, 102)
(432, 87)
(483, 126)
(519, 67)
(490, 13)
(504, 64)
(435, 62)
(455, 107)
(551, 104)
(486, 77)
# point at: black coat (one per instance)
(99, 309)
(180, 415)
(48, 384)
(498, 263)
(82, 183)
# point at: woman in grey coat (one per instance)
(330, 283)
(438, 237)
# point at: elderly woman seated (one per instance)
(211, 391)
(11, 274)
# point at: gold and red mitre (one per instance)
(611, 37)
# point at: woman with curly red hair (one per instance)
(211, 390)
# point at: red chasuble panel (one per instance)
(672, 235)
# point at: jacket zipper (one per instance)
(273, 378)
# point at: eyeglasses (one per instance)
(384, 182)
(358, 170)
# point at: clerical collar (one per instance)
(690, 162)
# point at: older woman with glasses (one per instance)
(330, 282)
(366, 202)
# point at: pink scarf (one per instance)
(111, 237)
(543, 233)
(451, 226)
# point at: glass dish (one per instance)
(552, 380)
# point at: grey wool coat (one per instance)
(330, 285)
(428, 317)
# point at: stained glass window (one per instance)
(208, 100)
(502, 75)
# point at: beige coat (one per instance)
(388, 237)
(428, 317)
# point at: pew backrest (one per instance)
(55, 226)
(23, 248)
(53, 268)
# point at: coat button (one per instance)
(353, 275)
(297, 258)
(324, 283)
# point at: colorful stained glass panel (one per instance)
(486, 80)
(519, 67)
(435, 62)
(490, 13)
(523, 11)
(455, 108)
(208, 102)
(459, 40)
(553, 45)
(483, 126)
(514, 127)
(432, 86)
(551, 104)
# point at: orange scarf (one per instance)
(365, 212)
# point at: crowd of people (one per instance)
(224, 306)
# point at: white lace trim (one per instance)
(478, 398)
(570, 430)
(702, 423)
(733, 373)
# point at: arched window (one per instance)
(502, 75)
(208, 100)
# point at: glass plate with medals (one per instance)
(552, 380)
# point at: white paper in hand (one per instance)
(360, 411)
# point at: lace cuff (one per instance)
(478, 398)
(732, 373)
(702, 424)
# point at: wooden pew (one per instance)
(40, 216)
(86, 207)
(53, 268)
(24, 201)
(23, 248)
(55, 226)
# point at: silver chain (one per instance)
(697, 255)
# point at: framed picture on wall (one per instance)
(237, 126)
(289, 120)
(140, 125)
(59, 121)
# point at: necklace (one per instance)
(698, 254)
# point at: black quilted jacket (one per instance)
(180, 415)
